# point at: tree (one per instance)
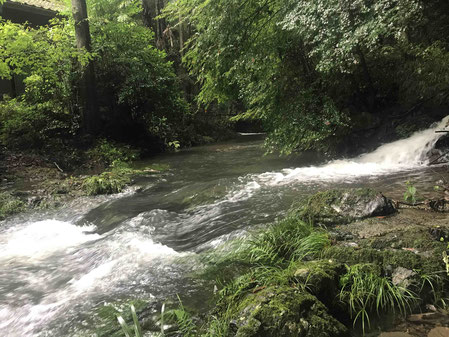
(309, 69)
(88, 90)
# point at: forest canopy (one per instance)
(170, 73)
(310, 69)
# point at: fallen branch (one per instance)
(57, 166)
(437, 205)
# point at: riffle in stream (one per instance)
(57, 267)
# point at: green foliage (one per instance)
(410, 193)
(109, 182)
(135, 80)
(9, 205)
(182, 319)
(287, 240)
(105, 183)
(365, 292)
(136, 325)
(138, 94)
(306, 68)
(107, 152)
(44, 59)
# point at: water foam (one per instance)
(39, 239)
(402, 155)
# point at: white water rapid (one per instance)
(405, 154)
(55, 270)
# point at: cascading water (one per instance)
(54, 271)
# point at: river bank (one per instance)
(356, 266)
(73, 263)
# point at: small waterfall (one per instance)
(402, 155)
(409, 152)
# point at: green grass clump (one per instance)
(136, 325)
(10, 205)
(106, 183)
(366, 292)
(288, 240)
(107, 152)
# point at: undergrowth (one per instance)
(290, 254)
(365, 292)
(10, 205)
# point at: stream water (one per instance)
(56, 267)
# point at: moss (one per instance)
(342, 206)
(320, 278)
(284, 312)
(414, 237)
(385, 258)
(10, 205)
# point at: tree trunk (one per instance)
(88, 88)
(368, 78)
(13, 87)
(181, 37)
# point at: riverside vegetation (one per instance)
(315, 75)
(303, 276)
(333, 77)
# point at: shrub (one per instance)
(9, 205)
(107, 152)
(106, 183)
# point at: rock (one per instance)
(285, 312)
(439, 332)
(337, 207)
(402, 276)
(321, 279)
(394, 334)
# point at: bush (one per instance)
(108, 182)
(44, 58)
(138, 82)
(107, 153)
(9, 205)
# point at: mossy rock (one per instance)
(10, 205)
(386, 258)
(342, 206)
(321, 279)
(285, 312)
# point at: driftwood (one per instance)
(436, 205)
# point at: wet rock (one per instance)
(337, 207)
(402, 276)
(395, 334)
(322, 279)
(285, 312)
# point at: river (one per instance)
(56, 267)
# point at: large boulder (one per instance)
(285, 312)
(342, 206)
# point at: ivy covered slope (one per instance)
(319, 72)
